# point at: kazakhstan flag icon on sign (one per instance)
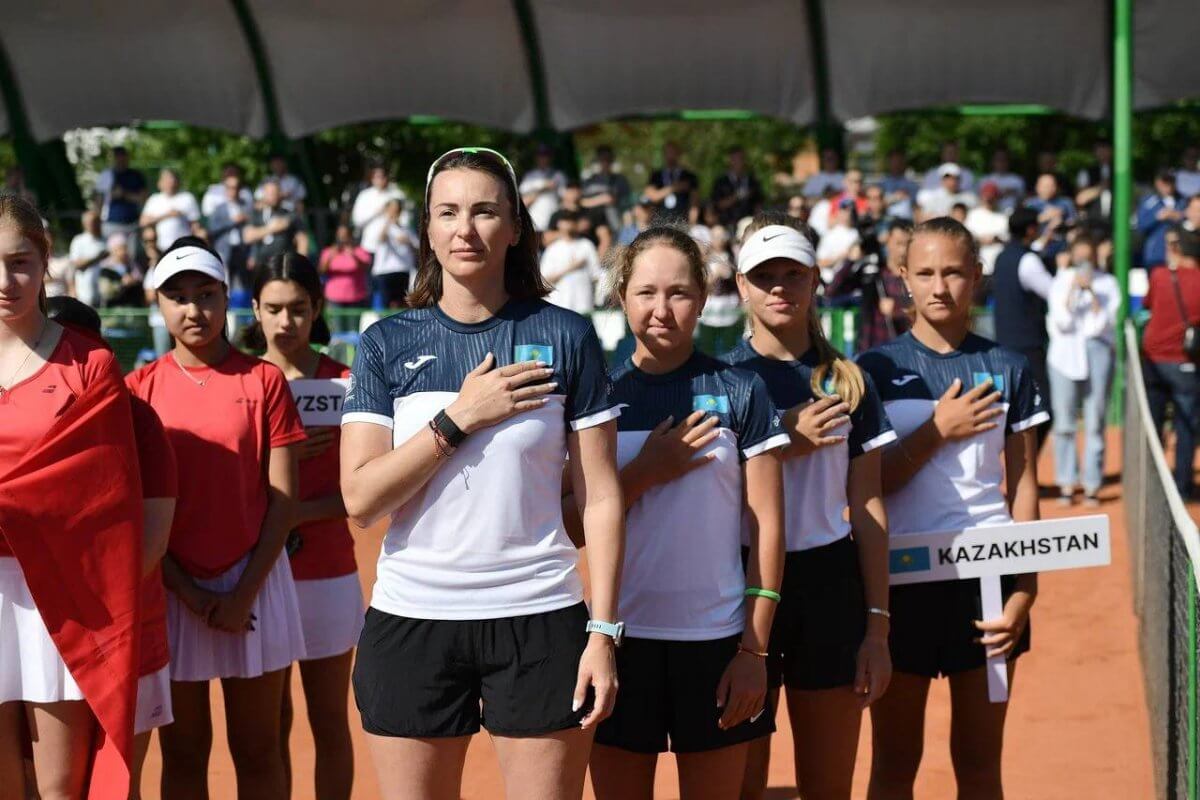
(909, 559)
(533, 352)
(712, 403)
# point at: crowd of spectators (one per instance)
(1044, 242)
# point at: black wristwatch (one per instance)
(454, 434)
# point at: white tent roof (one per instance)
(568, 63)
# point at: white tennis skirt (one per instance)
(153, 701)
(201, 653)
(331, 612)
(30, 667)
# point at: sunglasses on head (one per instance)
(508, 167)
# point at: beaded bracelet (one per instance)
(754, 591)
(440, 443)
(883, 612)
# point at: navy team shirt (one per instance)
(484, 538)
(815, 485)
(959, 487)
(683, 578)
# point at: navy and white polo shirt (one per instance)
(959, 487)
(814, 486)
(484, 538)
(683, 578)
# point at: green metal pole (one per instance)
(828, 131)
(1122, 123)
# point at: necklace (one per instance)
(7, 385)
(188, 375)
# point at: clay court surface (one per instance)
(1078, 726)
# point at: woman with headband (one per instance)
(458, 419)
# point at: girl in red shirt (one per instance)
(160, 487)
(63, 413)
(232, 612)
(288, 305)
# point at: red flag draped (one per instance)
(71, 514)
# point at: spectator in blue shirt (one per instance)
(1155, 214)
(900, 191)
(1055, 214)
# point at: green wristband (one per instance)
(754, 591)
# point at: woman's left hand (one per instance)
(597, 669)
(874, 671)
(232, 614)
(1001, 635)
(742, 692)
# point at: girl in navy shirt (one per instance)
(698, 442)
(966, 411)
(829, 642)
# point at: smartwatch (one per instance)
(454, 435)
(613, 630)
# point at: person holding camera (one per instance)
(1082, 322)
(1171, 349)
(875, 278)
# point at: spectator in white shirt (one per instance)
(542, 188)
(937, 202)
(988, 224)
(227, 217)
(933, 178)
(837, 242)
(215, 194)
(172, 213)
(829, 179)
(572, 266)
(86, 252)
(369, 215)
(395, 260)
(291, 188)
(1082, 322)
(1010, 184)
(1187, 178)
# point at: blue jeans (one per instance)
(1067, 396)
(1179, 386)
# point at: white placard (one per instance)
(319, 400)
(1042, 546)
(989, 552)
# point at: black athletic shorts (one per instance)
(933, 631)
(668, 694)
(821, 619)
(425, 678)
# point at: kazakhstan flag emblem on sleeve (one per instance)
(534, 352)
(712, 403)
(908, 559)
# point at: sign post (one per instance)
(989, 552)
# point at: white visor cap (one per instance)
(187, 259)
(776, 241)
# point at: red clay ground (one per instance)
(1078, 726)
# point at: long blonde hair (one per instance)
(834, 373)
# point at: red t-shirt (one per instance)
(1162, 339)
(222, 433)
(326, 548)
(156, 462)
(29, 408)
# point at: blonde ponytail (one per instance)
(834, 373)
